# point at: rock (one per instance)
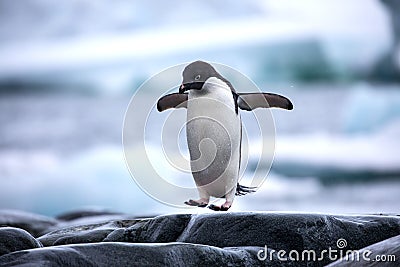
(158, 230)
(279, 231)
(294, 231)
(161, 229)
(211, 238)
(78, 220)
(126, 254)
(77, 214)
(35, 224)
(387, 251)
(288, 231)
(86, 233)
(15, 239)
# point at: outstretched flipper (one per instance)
(174, 100)
(246, 101)
(250, 101)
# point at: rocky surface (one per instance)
(15, 239)
(217, 239)
(78, 214)
(386, 252)
(35, 224)
(132, 254)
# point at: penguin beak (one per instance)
(189, 86)
(182, 88)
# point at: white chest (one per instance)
(213, 135)
(211, 115)
(213, 100)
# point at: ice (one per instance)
(107, 52)
(368, 109)
(95, 177)
(377, 151)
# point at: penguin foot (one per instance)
(198, 203)
(214, 207)
(226, 205)
(218, 208)
(223, 207)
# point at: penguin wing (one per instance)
(252, 101)
(174, 100)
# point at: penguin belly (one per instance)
(214, 135)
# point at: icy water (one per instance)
(337, 151)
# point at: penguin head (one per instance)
(195, 75)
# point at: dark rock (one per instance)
(35, 224)
(386, 252)
(15, 239)
(57, 256)
(212, 238)
(288, 231)
(77, 214)
(86, 233)
(278, 231)
(158, 230)
(161, 229)
(125, 254)
(95, 220)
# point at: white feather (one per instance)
(213, 127)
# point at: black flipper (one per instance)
(243, 190)
(174, 100)
(250, 101)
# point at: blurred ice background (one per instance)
(69, 68)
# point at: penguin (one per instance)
(214, 130)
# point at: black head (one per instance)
(195, 74)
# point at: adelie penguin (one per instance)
(214, 130)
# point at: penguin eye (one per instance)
(197, 77)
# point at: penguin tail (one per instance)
(242, 190)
